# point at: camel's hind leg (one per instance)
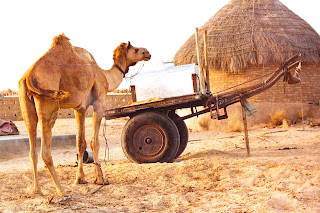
(47, 111)
(30, 118)
(81, 144)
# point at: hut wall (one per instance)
(281, 92)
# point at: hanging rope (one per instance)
(105, 139)
(107, 150)
(134, 75)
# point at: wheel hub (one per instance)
(149, 140)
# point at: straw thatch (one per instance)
(253, 32)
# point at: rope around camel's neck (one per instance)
(126, 70)
(118, 63)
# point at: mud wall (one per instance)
(281, 92)
(10, 107)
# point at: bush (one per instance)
(235, 122)
(277, 119)
(205, 121)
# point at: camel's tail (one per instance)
(50, 94)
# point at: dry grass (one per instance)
(277, 119)
(285, 124)
(205, 122)
(232, 124)
(235, 122)
(269, 115)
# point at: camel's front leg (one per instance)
(95, 146)
(81, 144)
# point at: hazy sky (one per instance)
(99, 26)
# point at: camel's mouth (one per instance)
(147, 58)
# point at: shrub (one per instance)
(205, 121)
(235, 122)
(277, 119)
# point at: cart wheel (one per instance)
(183, 131)
(150, 137)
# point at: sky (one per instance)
(99, 26)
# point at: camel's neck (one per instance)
(115, 75)
(114, 78)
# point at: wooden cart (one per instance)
(155, 133)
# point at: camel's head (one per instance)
(128, 55)
(136, 54)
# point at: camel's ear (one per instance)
(129, 45)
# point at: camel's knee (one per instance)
(47, 158)
(49, 120)
(81, 145)
(33, 155)
(48, 161)
(95, 144)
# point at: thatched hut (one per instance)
(249, 38)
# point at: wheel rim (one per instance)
(149, 140)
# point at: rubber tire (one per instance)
(159, 123)
(183, 131)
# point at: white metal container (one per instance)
(170, 82)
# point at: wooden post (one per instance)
(133, 93)
(206, 61)
(245, 128)
(199, 63)
(194, 82)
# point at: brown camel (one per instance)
(68, 77)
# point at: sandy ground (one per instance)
(212, 175)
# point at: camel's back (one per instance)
(63, 67)
(62, 52)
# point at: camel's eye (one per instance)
(136, 50)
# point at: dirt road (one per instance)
(212, 175)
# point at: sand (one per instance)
(212, 175)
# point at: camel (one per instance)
(67, 76)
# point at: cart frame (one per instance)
(155, 133)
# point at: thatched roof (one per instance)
(253, 32)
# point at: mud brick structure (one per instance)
(10, 108)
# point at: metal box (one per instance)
(170, 82)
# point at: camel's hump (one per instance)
(61, 40)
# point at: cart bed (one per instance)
(179, 102)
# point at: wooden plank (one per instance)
(133, 93)
(186, 100)
(194, 82)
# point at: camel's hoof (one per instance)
(37, 192)
(65, 198)
(60, 193)
(80, 181)
(100, 181)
